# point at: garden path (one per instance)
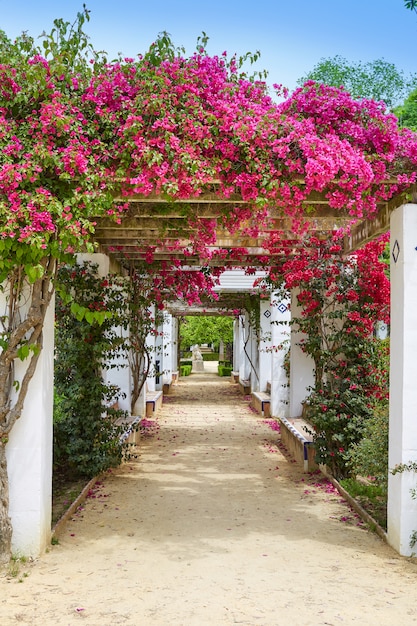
(212, 524)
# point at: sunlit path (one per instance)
(212, 524)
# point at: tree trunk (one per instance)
(5, 523)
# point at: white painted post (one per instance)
(159, 356)
(301, 366)
(402, 509)
(151, 345)
(236, 346)
(29, 454)
(174, 344)
(264, 347)
(166, 356)
(281, 316)
(249, 347)
(242, 358)
(118, 374)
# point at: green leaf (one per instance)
(23, 352)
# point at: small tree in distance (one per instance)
(378, 80)
(206, 329)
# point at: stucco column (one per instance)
(166, 355)
(264, 347)
(402, 509)
(29, 453)
(280, 328)
(117, 371)
(151, 346)
(301, 365)
(249, 363)
(236, 345)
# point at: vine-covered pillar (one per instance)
(249, 367)
(117, 372)
(280, 337)
(175, 344)
(243, 362)
(159, 356)
(29, 453)
(151, 347)
(264, 346)
(402, 508)
(301, 365)
(167, 352)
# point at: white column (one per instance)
(281, 316)
(174, 344)
(236, 345)
(29, 453)
(301, 366)
(265, 356)
(242, 358)
(118, 372)
(159, 356)
(166, 356)
(249, 363)
(151, 345)
(402, 509)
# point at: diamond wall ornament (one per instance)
(267, 313)
(282, 307)
(396, 251)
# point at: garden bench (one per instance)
(244, 386)
(130, 424)
(298, 441)
(153, 402)
(167, 386)
(261, 402)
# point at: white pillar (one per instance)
(243, 368)
(151, 345)
(166, 356)
(118, 372)
(249, 363)
(301, 365)
(280, 319)
(236, 345)
(402, 509)
(29, 454)
(174, 344)
(265, 356)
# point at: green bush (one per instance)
(369, 457)
(185, 370)
(87, 437)
(210, 356)
(224, 370)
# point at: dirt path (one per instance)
(213, 525)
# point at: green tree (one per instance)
(206, 329)
(377, 80)
(407, 112)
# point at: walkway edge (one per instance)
(74, 506)
(357, 507)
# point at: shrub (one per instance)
(87, 437)
(224, 370)
(369, 457)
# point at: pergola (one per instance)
(152, 218)
(149, 217)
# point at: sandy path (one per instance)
(213, 525)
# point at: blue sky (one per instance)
(291, 35)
